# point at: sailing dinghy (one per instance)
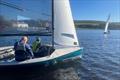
(106, 31)
(65, 43)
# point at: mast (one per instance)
(53, 23)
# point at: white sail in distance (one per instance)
(64, 28)
(107, 24)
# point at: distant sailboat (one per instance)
(106, 31)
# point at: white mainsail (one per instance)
(64, 28)
(107, 24)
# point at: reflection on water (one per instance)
(101, 59)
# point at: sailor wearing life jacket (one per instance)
(23, 50)
(36, 45)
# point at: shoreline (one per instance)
(93, 24)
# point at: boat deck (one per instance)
(57, 53)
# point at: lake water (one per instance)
(100, 61)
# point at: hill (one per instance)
(92, 24)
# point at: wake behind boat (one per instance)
(64, 46)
